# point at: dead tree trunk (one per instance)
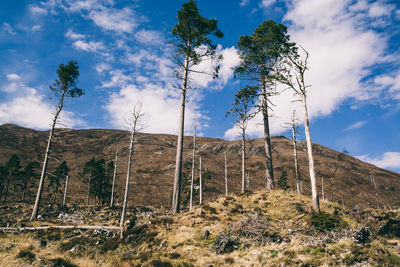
(46, 157)
(372, 176)
(193, 168)
(243, 158)
(201, 184)
(296, 160)
(310, 156)
(136, 114)
(176, 195)
(322, 188)
(65, 190)
(269, 172)
(114, 176)
(226, 176)
(248, 181)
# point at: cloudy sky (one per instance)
(123, 53)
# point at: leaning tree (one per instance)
(293, 76)
(260, 56)
(192, 46)
(64, 86)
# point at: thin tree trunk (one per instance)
(201, 185)
(128, 173)
(375, 188)
(269, 172)
(55, 193)
(243, 159)
(322, 188)
(114, 176)
(310, 156)
(193, 163)
(248, 181)
(46, 157)
(176, 196)
(226, 176)
(296, 160)
(65, 190)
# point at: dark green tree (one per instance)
(28, 174)
(99, 179)
(260, 57)
(55, 179)
(12, 172)
(192, 45)
(242, 113)
(64, 86)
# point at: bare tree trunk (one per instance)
(243, 159)
(114, 176)
(176, 196)
(226, 176)
(193, 165)
(269, 172)
(128, 173)
(310, 156)
(322, 188)
(65, 190)
(46, 157)
(248, 181)
(201, 184)
(296, 160)
(372, 176)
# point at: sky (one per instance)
(123, 51)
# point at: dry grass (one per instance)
(272, 228)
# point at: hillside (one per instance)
(154, 161)
(254, 229)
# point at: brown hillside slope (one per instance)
(153, 165)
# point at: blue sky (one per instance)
(123, 53)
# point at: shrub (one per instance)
(26, 254)
(362, 235)
(225, 243)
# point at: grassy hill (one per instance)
(264, 228)
(154, 162)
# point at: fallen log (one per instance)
(82, 227)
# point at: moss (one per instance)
(325, 221)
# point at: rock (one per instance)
(164, 244)
(42, 243)
(206, 234)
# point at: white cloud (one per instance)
(29, 109)
(161, 107)
(230, 60)
(244, 3)
(118, 78)
(13, 77)
(101, 67)
(386, 160)
(36, 28)
(38, 10)
(90, 46)
(356, 125)
(378, 9)
(341, 51)
(72, 35)
(149, 37)
(8, 28)
(267, 3)
(118, 20)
